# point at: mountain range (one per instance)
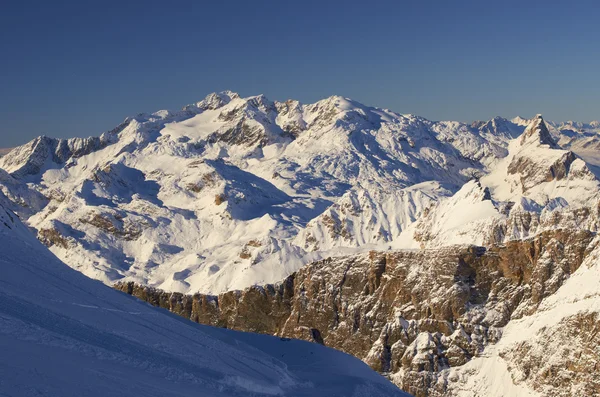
(451, 257)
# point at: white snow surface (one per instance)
(63, 334)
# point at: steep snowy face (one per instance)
(460, 219)
(232, 191)
(362, 217)
(482, 141)
(22, 199)
(65, 328)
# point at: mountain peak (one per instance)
(521, 121)
(214, 101)
(537, 132)
(260, 102)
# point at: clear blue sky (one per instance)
(79, 68)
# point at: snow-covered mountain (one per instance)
(232, 192)
(62, 334)
(538, 186)
(581, 138)
(516, 314)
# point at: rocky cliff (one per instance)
(412, 315)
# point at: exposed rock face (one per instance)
(252, 123)
(408, 314)
(530, 174)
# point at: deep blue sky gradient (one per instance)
(79, 68)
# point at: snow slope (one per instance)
(64, 334)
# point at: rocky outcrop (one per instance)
(409, 314)
(115, 225)
(51, 237)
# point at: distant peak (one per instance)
(335, 98)
(230, 94)
(520, 121)
(537, 131)
(260, 102)
(339, 102)
(214, 101)
(498, 121)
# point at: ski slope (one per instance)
(63, 334)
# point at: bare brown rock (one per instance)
(113, 224)
(418, 312)
(245, 254)
(220, 199)
(50, 237)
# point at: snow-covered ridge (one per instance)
(44, 152)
